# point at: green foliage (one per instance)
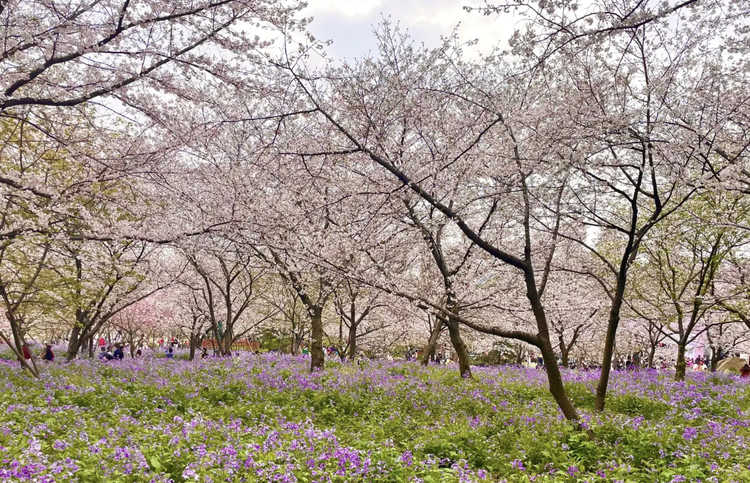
(273, 340)
(502, 423)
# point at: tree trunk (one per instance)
(464, 367)
(564, 350)
(18, 342)
(91, 346)
(651, 354)
(352, 341)
(564, 354)
(609, 342)
(296, 343)
(225, 345)
(715, 357)
(83, 345)
(193, 343)
(317, 357)
(556, 386)
(679, 374)
(74, 343)
(429, 348)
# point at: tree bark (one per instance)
(317, 357)
(193, 343)
(83, 345)
(464, 366)
(225, 345)
(715, 357)
(18, 342)
(609, 341)
(564, 354)
(519, 355)
(74, 343)
(556, 386)
(564, 350)
(679, 373)
(296, 343)
(651, 354)
(352, 341)
(429, 348)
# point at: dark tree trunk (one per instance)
(464, 367)
(83, 345)
(341, 331)
(225, 342)
(193, 344)
(296, 343)
(564, 354)
(564, 350)
(353, 341)
(609, 341)
(556, 386)
(74, 343)
(429, 348)
(317, 357)
(519, 354)
(679, 373)
(18, 342)
(715, 357)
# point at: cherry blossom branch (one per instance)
(407, 181)
(22, 101)
(559, 28)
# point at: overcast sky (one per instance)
(349, 23)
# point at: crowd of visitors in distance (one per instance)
(109, 352)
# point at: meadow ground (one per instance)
(266, 418)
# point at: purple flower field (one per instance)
(266, 418)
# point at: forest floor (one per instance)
(266, 418)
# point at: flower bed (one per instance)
(266, 418)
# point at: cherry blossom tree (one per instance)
(21, 265)
(665, 67)
(291, 316)
(74, 74)
(449, 261)
(418, 96)
(624, 156)
(228, 284)
(681, 263)
(65, 54)
(100, 279)
(724, 339)
(569, 24)
(644, 328)
(730, 288)
(353, 303)
(97, 102)
(140, 323)
(314, 289)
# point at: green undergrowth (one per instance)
(413, 422)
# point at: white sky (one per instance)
(349, 23)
